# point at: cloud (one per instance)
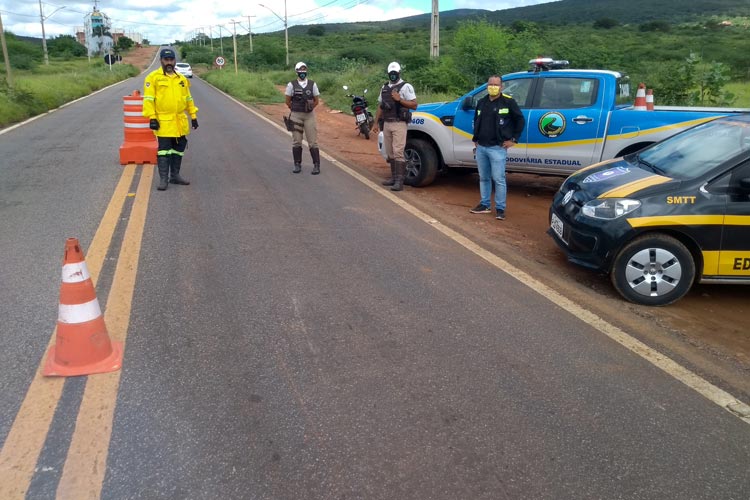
(163, 21)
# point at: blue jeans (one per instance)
(491, 164)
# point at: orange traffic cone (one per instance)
(649, 100)
(640, 98)
(82, 344)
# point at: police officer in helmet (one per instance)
(396, 100)
(302, 98)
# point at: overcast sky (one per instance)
(163, 21)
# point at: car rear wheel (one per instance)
(653, 270)
(421, 162)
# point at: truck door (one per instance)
(463, 122)
(565, 123)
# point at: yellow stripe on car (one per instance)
(634, 186)
(677, 220)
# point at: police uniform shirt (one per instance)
(303, 84)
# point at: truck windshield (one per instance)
(686, 155)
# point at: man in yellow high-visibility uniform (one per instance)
(166, 98)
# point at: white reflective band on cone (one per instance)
(75, 273)
(135, 125)
(79, 313)
(134, 113)
(131, 102)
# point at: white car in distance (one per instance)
(184, 69)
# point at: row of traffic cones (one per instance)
(644, 99)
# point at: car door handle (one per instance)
(583, 119)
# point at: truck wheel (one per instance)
(653, 270)
(421, 162)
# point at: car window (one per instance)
(518, 89)
(700, 149)
(568, 93)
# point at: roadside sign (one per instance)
(220, 61)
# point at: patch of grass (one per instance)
(245, 86)
(48, 87)
(742, 91)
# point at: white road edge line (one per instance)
(708, 390)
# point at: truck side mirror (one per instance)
(467, 103)
(745, 184)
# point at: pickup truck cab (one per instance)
(574, 118)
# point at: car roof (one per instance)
(182, 64)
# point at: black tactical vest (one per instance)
(302, 99)
(389, 106)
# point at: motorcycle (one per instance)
(362, 115)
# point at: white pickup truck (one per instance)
(574, 118)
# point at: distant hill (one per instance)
(566, 12)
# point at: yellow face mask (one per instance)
(493, 90)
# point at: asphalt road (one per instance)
(298, 336)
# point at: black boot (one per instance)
(392, 180)
(315, 153)
(174, 167)
(399, 169)
(162, 163)
(297, 154)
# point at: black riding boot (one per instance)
(399, 168)
(297, 154)
(315, 153)
(174, 166)
(162, 163)
(392, 180)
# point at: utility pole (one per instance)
(435, 31)
(234, 42)
(286, 31)
(211, 37)
(5, 54)
(250, 33)
(221, 40)
(44, 38)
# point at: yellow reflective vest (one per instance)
(166, 98)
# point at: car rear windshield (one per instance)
(699, 150)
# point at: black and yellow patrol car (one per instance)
(661, 219)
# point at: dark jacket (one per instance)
(510, 121)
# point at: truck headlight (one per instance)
(609, 208)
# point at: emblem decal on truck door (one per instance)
(552, 124)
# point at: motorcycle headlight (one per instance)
(609, 208)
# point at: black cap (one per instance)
(167, 54)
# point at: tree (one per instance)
(605, 23)
(124, 43)
(316, 30)
(479, 50)
(65, 46)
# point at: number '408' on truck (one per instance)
(574, 118)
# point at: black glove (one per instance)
(153, 124)
(194, 121)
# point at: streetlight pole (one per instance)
(44, 37)
(286, 32)
(250, 33)
(234, 43)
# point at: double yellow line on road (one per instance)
(85, 465)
